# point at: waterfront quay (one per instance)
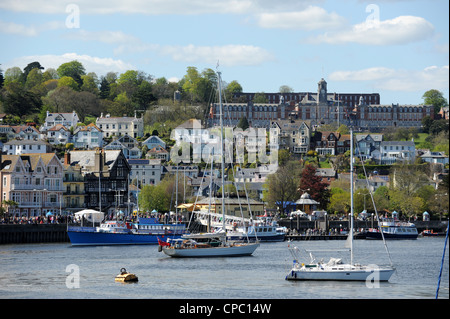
(33, 233)
(307, 230)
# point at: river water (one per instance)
(60, 271)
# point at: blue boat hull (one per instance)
(260, 238)
(377, 235)
(83, 238)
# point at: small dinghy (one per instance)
(125, 276)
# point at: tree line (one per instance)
(409, 192)
(26, 95)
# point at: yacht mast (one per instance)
(222, 151)
(351, 197)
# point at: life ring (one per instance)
(123, 271)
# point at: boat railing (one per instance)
(81, 229)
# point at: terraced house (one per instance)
(34, 182)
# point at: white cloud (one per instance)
(29, 31)
(91, 64)
(153, 7)
(400, 30)
(311, 18)
(432, 77)
(227, 55)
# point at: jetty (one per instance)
(323, 237)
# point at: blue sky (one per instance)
(399, 49)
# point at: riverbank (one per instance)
(300, 230)
(302, 226)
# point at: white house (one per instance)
(18, 147)
(154, 141)
(128, 145)
(118, 126)
(394, 151)
(23, 132)
(88, 136)
(435, 157)
(58, 134)
(145, 171)
(66, 119)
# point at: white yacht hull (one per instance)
(349, 273)
(228, 251)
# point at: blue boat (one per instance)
(144, 232)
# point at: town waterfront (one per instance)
(48, 271)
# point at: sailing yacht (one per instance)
(335, 269)
(209, 244)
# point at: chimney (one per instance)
(67, 158)
(98, 160)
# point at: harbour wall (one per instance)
(53, 233)
(303, 225)
(33, 233)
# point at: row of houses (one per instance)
(63, 128)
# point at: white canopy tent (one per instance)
(90, 215)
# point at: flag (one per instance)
(162, 243)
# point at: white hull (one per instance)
(343, 273)
(228, 251)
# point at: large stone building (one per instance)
(357, 109)
(380, 116)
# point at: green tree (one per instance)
(18, 101)
(13, 75)
(281, 186)
(339, 201)
(232, 88)
(285, 89)
(260, 97)
(89, 84)
(73, 69)
(435, 98)
(33, 79)
(2, 79)
(69, 82)
(123, 105)
(104, 88)
(243, 123)
(31, 66)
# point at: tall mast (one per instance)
(351, 197)
(222, 151)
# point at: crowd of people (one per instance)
(37, 220)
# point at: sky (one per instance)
(397, 48)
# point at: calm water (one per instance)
(39, 271)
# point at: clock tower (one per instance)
(322, 91)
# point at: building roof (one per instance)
(375, 137)
(87, 158)
(397, 143)
(26, 142)
(9, 161)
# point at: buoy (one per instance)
(125, 276)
